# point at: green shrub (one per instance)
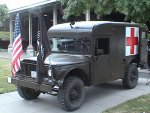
(4, 35)
(148, 36)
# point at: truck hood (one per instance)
(63, 59)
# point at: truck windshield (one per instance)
(70, 45)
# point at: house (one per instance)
(52, 14)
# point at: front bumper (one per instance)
(45, 86)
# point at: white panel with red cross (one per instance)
(132, 41)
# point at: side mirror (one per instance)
(99, 52)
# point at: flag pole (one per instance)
(43, 47)
(17, 47)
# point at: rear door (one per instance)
(144, 50)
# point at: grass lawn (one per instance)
(137, 105)
(5, 71)
(5, 35)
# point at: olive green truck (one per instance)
(83, 54)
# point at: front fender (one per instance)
(62, 71)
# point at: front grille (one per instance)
(26, 68)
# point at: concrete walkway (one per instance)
(98, 99)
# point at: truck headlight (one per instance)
(50, 72)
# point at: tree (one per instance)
(72, 7)
(76, 7)
(3, 14)
(135, 10)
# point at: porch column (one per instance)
(54, 15)
(87, 15)
(30, 47)
(11, 34)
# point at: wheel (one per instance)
(27, 93)
(72, 93)
(131, 77)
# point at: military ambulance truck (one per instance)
(83, 54)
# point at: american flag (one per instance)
(17, 47)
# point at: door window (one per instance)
(103, 46)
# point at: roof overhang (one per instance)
(34, 6)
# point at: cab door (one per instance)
(102, 62)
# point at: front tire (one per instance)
(131, 77)
(72, 93)
(28, 93)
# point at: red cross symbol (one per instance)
(132, 41)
